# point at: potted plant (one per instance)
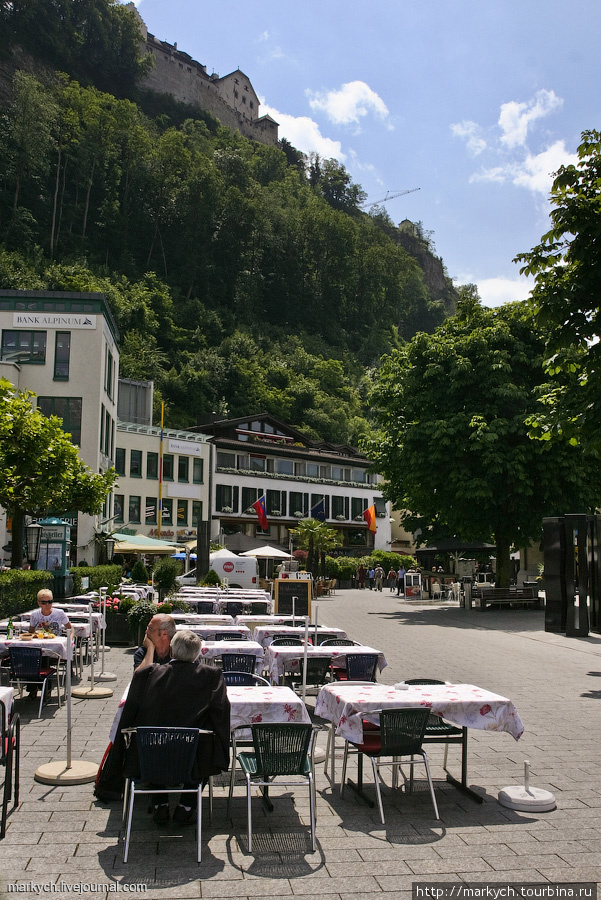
(138, 618)
(117, 628)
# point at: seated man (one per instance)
(156, 646)
(183, 693)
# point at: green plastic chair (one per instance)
(281, 750)
(401, 734)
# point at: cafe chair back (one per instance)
(287, 642)
(259, 608)
(401, 734)
(233, 607)
(28, 667)
(338, 642)
(167, 756)
(229, 636)
(318, 674)
(440, 732)
(238, 662)
(359, 667)
(244, 679)
(282, 751)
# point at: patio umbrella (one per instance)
(267, 552)
(181, 555)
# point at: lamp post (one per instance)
(33, 537)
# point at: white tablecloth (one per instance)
(6, 695)
(279, 659)
(61, 646)
(199, 619)
(208, 632)
(212, 649)
(346, 705)
(264, 634)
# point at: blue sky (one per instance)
(473, 102)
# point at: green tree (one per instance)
(40, 468)
(453, 443)
(317, 538)
(567, 269)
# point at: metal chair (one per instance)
(259, 609)
(27, 667)
(440, 732)
(238, 662)
(280, 751)
(233, 607)
(287, 642)
(11, 752)
(244, 679)
(166, 756)
(202, 607)
(318, 671)
(359, 667)
(229, 636)
(401, 734)
(339, 642)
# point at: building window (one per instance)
(249, 496)
(183, 468)
(320, 506)
(380, 506)
(300, 468)
(134, 509)
(150, 511)
(196, 512)
(299, 504)
(152, 465)
(276, 503)
(168, 467)
(182, 513)
(102, 427)
(358, 475)
(62, 355)
(135, 464)
(120, 461)
(167, 511)
(257, 463)
(284, 466)
(118, 507)
(226, 498)
(109, 373)
(312, 470)
(107, 433)
(226, 460)
(340, 507)
(358, 504)
(66, 408)
(197, 470)
(24, 347)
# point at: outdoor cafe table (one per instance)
(464, 705)
(255, 622)
(199, 619)
(80, 629)
(6, 699)
(264, 634)
(208, 632)
(279, 659)
(212, 649)
(256, 703)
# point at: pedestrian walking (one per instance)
(370, 577)
(378, 577)
(391, 579)
(400, 585)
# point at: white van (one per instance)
(240, 571)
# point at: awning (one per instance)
(140, 543)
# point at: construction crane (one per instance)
(390, 195)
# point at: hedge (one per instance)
(19, 588)
(100, 576)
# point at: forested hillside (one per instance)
(243, 277)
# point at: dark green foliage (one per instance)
(99, 576)
(139, 573)
(211, 579)
(19, 588)
(164, 574)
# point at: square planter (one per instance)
(117, 629)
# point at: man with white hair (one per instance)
(182, 693)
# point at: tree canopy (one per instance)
(452, 439)
(567, 270)
(40, 468)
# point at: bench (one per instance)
(492, 595)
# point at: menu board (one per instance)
(285, 590)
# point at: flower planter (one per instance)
(117, 629)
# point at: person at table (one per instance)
(184, 693)
(54, 620)
(156, 646)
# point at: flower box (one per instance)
(117, 629)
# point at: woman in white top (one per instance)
(55, 620)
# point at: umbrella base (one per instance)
(79, 772)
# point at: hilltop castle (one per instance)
(231, 99)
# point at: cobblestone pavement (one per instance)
(60, 838)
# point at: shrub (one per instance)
(164, 575)
(100, 576)
(139, 573)
(211, 579)
(166, 608)
(126, 604)
(19, 588)
(341, 567)
(139, 616)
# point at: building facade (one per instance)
(262, 456)
(63, 346)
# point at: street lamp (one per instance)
(109, 546)
(33, 537)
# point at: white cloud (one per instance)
(534, 172)
(349, 104)
(304, 134)
(262, 37)
(496, 291)
(515, 118)
(472, 134)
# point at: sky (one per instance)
(476, 103)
